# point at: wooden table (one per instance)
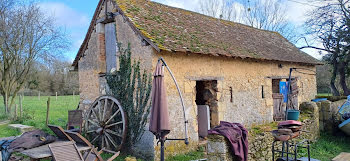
(44, 151)
(342, 157)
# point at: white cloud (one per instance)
(64, 15)
(184, 4)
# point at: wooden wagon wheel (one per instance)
(105, 124)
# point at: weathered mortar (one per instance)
(260, 141)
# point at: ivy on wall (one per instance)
(132, 88)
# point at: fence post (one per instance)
(47, 111)
(6, 104)
(16, 111)
(56, 96)
(73, 95)
(20, 106)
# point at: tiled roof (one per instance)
(176, 29)
(173, 29)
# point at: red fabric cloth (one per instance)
(159, 120)
(237, 136)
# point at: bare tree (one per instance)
(329, 25)
(26, 35)
(267, 14)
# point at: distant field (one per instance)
(324, 94)
(35, 112)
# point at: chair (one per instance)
(68, 151)
(60, 133)
(94, 154)
(75, 118)
(91, 155)
(65, 151)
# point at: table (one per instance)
(44, 151)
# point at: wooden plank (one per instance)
(44, 151)
(111, 46)
(342, 157)
(278, 108)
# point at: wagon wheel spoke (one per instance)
(104, 109)
(111, 140)
(110, 119)
(102, 142)
(99, 110)
(94, 113)
(117, 123)
(107, 143)
(91, 131)
(94, 123)
(93, 140)
(114, 133)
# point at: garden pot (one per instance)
(293, 114)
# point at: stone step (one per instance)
(4, 122)
(21, 128)
(342, 157)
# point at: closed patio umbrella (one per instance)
(159, 120)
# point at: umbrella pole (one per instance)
(181, 98)
(162, 149)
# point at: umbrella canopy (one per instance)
(159, 121)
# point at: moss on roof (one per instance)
(175, 29)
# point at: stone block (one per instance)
(22, 128)
(309, 108)
(326, 106)
(217, 147)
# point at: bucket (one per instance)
(293, 114)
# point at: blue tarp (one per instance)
(4, 146)
(284, 90)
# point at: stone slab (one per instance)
(22, 128)
(4, 122)
(342, 157)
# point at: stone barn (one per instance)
(236, 70)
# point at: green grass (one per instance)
(5, 131)
(324, 94)
(328, 147)
(193, 155)
(34, 112)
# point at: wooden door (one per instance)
(278, 107)
(293, 96)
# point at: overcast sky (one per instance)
(75, 16)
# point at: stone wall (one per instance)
(260, 138)
(245, 77)
(329, 117)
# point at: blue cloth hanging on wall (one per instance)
(284, 90)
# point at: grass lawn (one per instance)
(324, 94)
(34, 112)
(328, 147)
